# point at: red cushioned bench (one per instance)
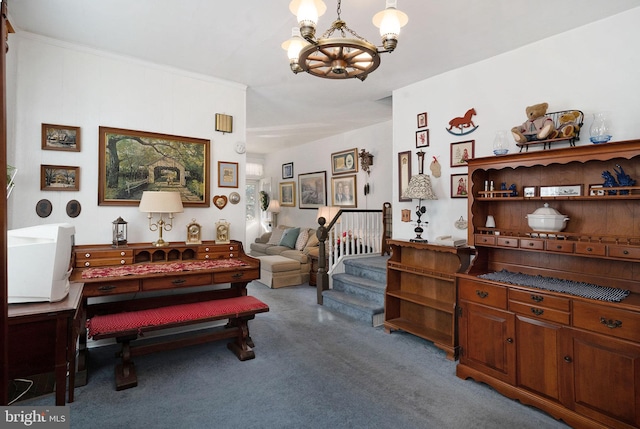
(127, 326)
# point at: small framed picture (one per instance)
(59, 178)
(422, 120)
(461, 153)
(459, 186)
(529, 191)
(561, 191)
(596, 190)
(227, 174)
(288, 194)
(422, 138)
(287, 170)
(404, 174)
(344, 191)
(344, 162)
(60, 137)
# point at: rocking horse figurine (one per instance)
(462, 123)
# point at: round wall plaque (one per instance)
(234, 198)
(73, 208)
(43, 208)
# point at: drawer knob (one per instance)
(611, 324)
(87, 255)
(537, 311)
(482, 294)
(626, 252)
(567, 359)
(122, 262)
(537, 298)
(510, 340)
(506, 242)
(230, 247)
(206, 249)
(558, 247)
(531, 244)
(122, 253)
(87, 264)
(206, 256)
(238, 275)
(589, 249)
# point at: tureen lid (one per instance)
(546, 210)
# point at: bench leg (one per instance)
(126, 371)
(240, 346)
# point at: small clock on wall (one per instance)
(193, 233)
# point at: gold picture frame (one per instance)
(344, 162)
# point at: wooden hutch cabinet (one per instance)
(576, 357)
(421, 293)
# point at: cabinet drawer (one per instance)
(527, 243)
(559, 246)
(489, 240)
(86, 263)
(176, 281)
(606, 320)
(483, 293)
(532, 298)
(624, 252)
(538, 312)
(507, 241)
(585, 248)
(233, 248)
(110, 288)
(239, 276)
(217, 255)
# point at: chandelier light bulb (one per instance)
(390, 21)
(293, 46)
(307, 13)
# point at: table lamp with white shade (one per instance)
(161, 202)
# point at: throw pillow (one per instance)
(289, 237)
(313, 242)
(302, 239)
(276, 235)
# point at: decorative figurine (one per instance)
(609, 182)
(514, 190)
(623, 179)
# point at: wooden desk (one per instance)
(179, 283)
(42, 338)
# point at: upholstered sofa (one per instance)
(290, 242)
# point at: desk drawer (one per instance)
(624, 252)
(538, 312)
(606, 320)
(86, 263)
(483, 293)
(528, 243)
(586, 248)
(489, 240)
(101, 258)
(218, 255)
(560, 246)
(238, 276)
(110, 288)
(507, 242)
(172, 282)
(533, 298)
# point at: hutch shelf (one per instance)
(575, 357)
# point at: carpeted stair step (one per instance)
(373, 268)
(354, 306)
(360, 286)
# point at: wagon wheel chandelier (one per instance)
(340, 57)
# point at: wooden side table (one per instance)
(313, 273)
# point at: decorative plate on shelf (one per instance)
(234, 198)
(43, 208)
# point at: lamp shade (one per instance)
(161, 202)
(328, 213)
(274, 207)
(419, 188)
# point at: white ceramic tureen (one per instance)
(547, 219)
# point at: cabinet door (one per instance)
(602, 377)
(487, 341)
(537, 347)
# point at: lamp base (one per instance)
(160, 243)
(419, 240)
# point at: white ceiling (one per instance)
(240, 41)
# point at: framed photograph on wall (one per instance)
(462, 152)
(422, 120)
(227, 174)
(422, 138)
(344, 162)
(344, 191)
(60, 137)
(287, 170)
(312, 188)
(59, 178)
(130, 162)
(459, 186)
(404, 173)
(288, 194)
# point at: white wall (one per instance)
(316, 156)
(593, 68)
(64, 84)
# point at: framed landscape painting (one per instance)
(288, 194)
(312, 189)
(131, 162)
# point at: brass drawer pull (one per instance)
(238, 275)
(178, 281)
(482, 294)
(537, 298)
(106, 288)
(611, 324)
(537, 311)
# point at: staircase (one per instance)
(359, 291)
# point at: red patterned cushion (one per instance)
(137, 320)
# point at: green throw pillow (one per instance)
(289, 237)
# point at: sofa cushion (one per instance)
(296, 255)
(260, 247)
(313, 242)
(275, 250)
(289, 237)
(276, 236)
(303, 237)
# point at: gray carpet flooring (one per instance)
(313, 369)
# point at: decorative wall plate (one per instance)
(234, 198)
(43, 208)
(73, 208)
(220, 201)
(461, 223)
